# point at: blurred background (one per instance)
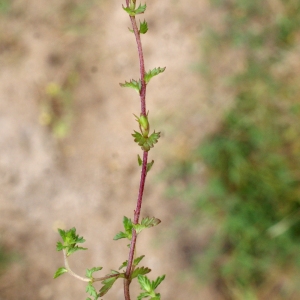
(226, 178)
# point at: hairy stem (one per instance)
(67, 266)
(69, 269)
(137, 211)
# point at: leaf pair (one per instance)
(132, 11)
(128, 226)
(137, 85)
(149, 165)
(146, 143)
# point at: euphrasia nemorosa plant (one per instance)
(129, 269)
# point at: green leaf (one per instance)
(140, 271)
(92, 291)
(59, 246)
(147, 222)
(143, 295)
(149, 286)
(138, 260)
(136, 85)
(139, 160)
(127, 224)
(73, 249)
(59, 272)
(128, 230)
(145, 283)
(89, 272)
(149, 165)
(153, 73)
(120, 235)
(153, 138)
(70, 240)
(146, 143)
(124, 264)
(141, 9)
(158, 281)
(135, 262)
(107, 285)
(129, 11)
(143, 27)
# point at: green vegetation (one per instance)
(5, 6)
(57, 106)
(253, 160)
(57, 120)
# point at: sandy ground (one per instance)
(89, 179)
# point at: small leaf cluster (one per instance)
(128, 226)
(136, 84)
(70, 241)
(132, 10)
(149, 165)
(136, 271)
(146, 143)
(149, 287)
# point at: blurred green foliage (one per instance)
(253, 160)
(5, 6)
(57, 105)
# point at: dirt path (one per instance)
(90, 178)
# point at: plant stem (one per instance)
(67, 266)
(70, 271)
(145, 158)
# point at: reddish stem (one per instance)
(137, 211)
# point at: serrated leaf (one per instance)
(59, 246)
(127, 224)
(129, 11)
(124, 264)
(143, 295)
(149, 165)
(135, 262)
(138, 228)
(136, 85)
(89, 272)
(107, 285)
(92, 291)
(145, 283)
(158, 281)
(146, 143)
(138, 260)
(71, 250)
(153, 138)
(62, 233)
(141, 9)
(140, 271)
(59, 272)
(152, 73)
(143, 27)
(150, 222)
(70, 239)
(139, 160)
(120, 235)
